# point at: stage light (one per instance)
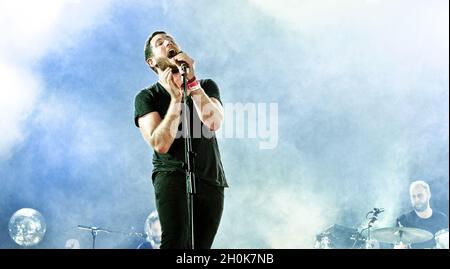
(27, 227)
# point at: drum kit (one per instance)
(441, 238)
(407, 236)
(401, 235)
(338, 236)
(390, 235)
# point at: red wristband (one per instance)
(193, 84)
(192, 80)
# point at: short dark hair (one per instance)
(148, 53)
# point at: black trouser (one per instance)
(172, 207)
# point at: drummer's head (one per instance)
(420, 194)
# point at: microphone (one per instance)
(183, 65)
(378, 210)
(375, 212)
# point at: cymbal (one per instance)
(405, 235)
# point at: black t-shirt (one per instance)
(207, 162)
(433, 224)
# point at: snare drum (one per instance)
(441, 238)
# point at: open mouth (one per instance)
(171, 53)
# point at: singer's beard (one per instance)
(163, 63)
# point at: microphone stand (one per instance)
(189, 158)
(372, 220)
(95, 230)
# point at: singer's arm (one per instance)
(160, 134)
(208, 108)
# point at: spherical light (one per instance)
(27, 227)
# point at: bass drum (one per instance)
(441, 238)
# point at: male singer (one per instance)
(158, 114)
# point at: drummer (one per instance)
(423, 216)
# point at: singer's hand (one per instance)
(167, 81)
(183, 57)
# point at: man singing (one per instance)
(158, 115)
